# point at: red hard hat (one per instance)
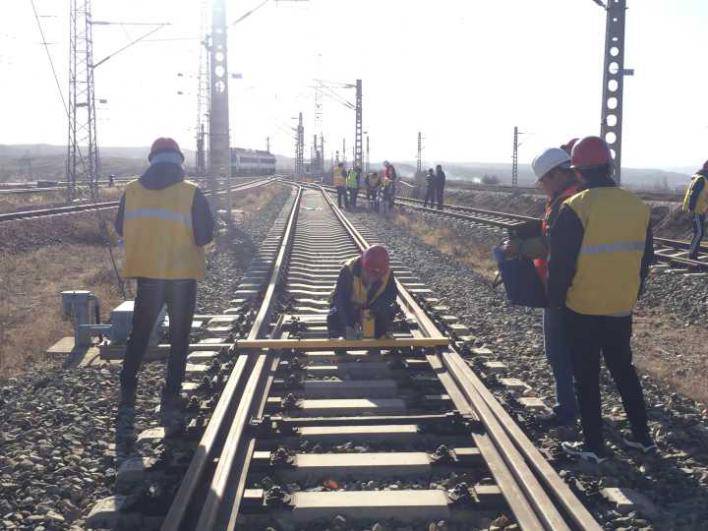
(568, 147)
(163, 144)
(375, 261)
(590, 152)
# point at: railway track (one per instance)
(668, 251)
(308, 431)
(70, 209)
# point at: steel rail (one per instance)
(234, 454)
(188, 509)
(54, 211)
(516, 220)
(516, 448)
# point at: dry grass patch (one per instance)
(30, 283)
(53, 198)
(41, 258)
(475, 254)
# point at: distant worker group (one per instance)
(435, 187)
(381, 187)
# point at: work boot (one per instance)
(644, 443)
(585, 452)
(172, 409)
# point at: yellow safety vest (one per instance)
(702, 203)
(359, 289)
(157, 229)
(351, 180)
(338, 178)
(607, 275)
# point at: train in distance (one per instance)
(246, 162)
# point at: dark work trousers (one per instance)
(439, 191)
(429, 196)
(353, 195)
(180, 297)
(555, 344)
(342, 199)
(699, 221)
(588, 336)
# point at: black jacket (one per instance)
(440, 179)
(161, 175)
(341, 299)
(566, 238)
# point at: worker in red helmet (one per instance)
(364, 299)
(695, 202)
(600, 251)
(165, 222)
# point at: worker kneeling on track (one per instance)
(165, 221)
(364, 300)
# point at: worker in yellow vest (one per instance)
(339, 180)
(601, 247)
(353, 186)
(695, 203)
(364, 299)
(165, 222)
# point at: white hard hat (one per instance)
(548, 160)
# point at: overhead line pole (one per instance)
(613, 81)
(219, 134)
(358, 128)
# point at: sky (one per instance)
(463, 72)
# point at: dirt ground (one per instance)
(40, 258)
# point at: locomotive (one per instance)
(245, 162)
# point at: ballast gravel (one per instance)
(59, 451)
(674, 481)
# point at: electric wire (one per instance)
(102, 223)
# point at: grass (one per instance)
(42, 258)
(476, 255)
(19, 202)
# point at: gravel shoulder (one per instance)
(58, 446)
(675, 480)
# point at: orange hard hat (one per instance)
(162, 145)
(375, 261)
(590, 152)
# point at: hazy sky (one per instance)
(464, 72)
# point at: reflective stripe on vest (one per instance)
(160, 213)
(157, 229)
(607, 275)
(702, 202)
